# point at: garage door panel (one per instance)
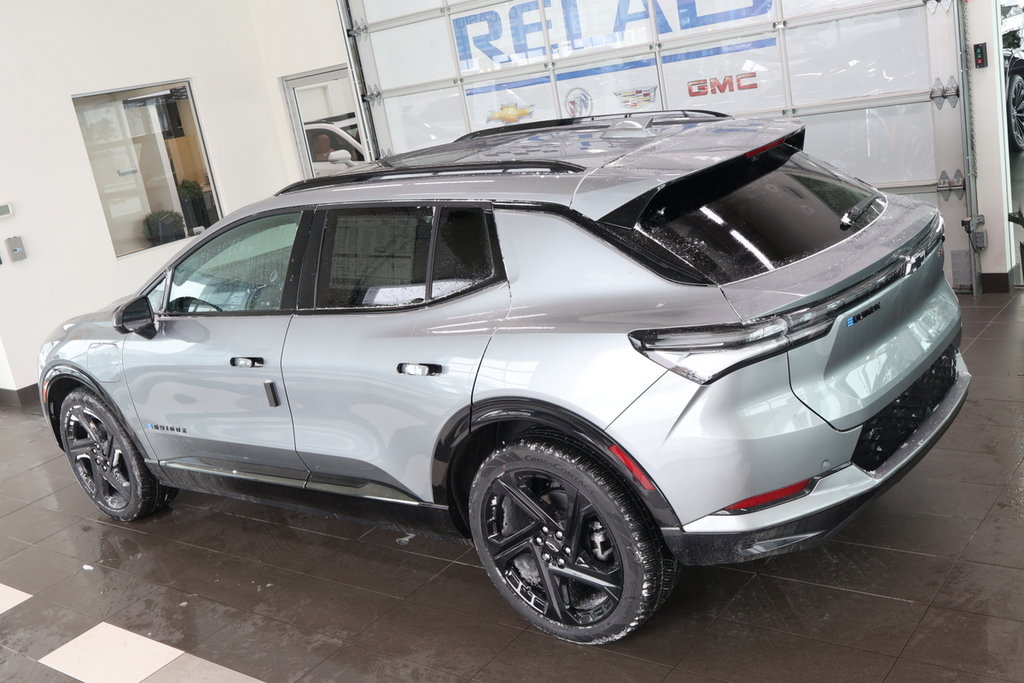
(859, 56)
(506, 101)
(373, 12)
(412, 54)
(731, 77)
(880, 145)
(422, 119)
(796, 8)
(501, 36)
(617, 86)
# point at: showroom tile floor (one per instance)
(927, 585)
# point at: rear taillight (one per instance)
(762, 500)
(705, 353)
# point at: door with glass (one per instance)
(208, 387)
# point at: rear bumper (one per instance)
(813, 518)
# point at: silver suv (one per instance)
(598, 347)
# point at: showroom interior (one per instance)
(130, 128)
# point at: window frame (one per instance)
(292, 275)
(310, 280)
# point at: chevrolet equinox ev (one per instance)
(600, 348)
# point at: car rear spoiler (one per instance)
(628, 215)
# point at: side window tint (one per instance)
(462, 255)
(243, 269)
(374, 258)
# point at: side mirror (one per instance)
(342, 156)
(136, 316)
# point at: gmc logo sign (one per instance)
(713, 86)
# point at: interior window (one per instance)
(462, 255)
(243, 269)
(375, 258)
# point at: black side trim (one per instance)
(427, 519)
(61, 370)
(522, 415)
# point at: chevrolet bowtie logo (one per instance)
(511, 113)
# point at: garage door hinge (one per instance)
(372, 95)
(949, 93)
(955, 185)
(357, 30)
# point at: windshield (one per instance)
(750, 216)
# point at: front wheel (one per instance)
(105, 460)
(1015, 112)
(566, 544)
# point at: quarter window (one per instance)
(381, 257)
(462, 255)
(243, 269)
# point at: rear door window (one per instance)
(402, 256)
(750, 216)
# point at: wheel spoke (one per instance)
(530, 504)
(505, 549)
(89, 424)
(79, 447)
(553, 588)
(608, 581)
(575, 528)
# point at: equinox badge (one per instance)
(854, 319)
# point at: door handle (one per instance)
(247, 362)
(272, 397)
(419, 369)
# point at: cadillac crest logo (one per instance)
(511, 113)
(637, 98)
(578, 103)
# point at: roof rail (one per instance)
(558, 123)
(358, 176)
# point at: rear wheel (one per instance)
(565, 543)
(106, 462)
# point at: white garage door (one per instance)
(860, 73)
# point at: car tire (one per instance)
(1015, 112)
(105, 460)
(549, 520)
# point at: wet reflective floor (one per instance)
(926, 585)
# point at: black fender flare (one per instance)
(511, 409)
(59, 370)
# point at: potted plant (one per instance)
(193, 203)
(164, 226)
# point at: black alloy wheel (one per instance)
(1015, 112)
(566, 543)
(105, 461)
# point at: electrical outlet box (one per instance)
(15, 248)
(980, 55)
(979, 238)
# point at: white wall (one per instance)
(234, 52)
(990, 136)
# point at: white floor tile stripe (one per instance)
(108, 654)
(11, 597)
(196, 670)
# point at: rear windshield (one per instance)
(750, 216)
